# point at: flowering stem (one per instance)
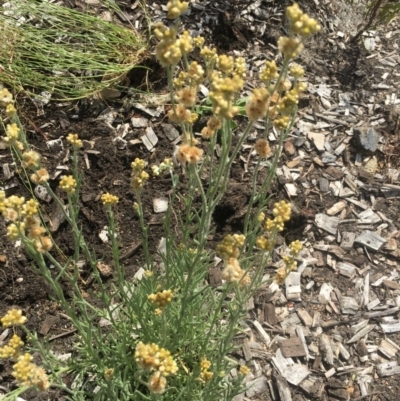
(112, 232)
(145, 230)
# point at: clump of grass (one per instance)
(69, 54)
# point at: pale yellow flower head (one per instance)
(68, 184)
(296, 71)
(176, 8)
(74, 140)
(151, 357)
(5, 96)
(168, 53)
(244, 370)
(262, 147)
(30, 207)
(43, 244)
(161, 299)
(186, 42)
(301, 23)
(108, 374)
(233, 273)
(31, 159)
(40, 177)
(296, 247)
(225, 64)
(13, 318)
(109, 199)
(12, 349)
(157, 383)
(10, 110)
(28, 374)
(269, 72)
(189, 154)
(198, 41)
(290, 47)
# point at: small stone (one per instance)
(289, 148)
(366, 138)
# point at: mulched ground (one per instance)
(105, 166)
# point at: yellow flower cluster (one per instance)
(258, 104)
(244, 370)
(23, 217)
(205, 374)
(161, 299)
(41, 176)
(301, 23)
(170, 49)
(290, 47)
(109, 199)
(199, 41)
(193, 77)
(230, 246)
(265, 244)
(222, 94)
(28, 374)
(296, 71)
(74, 140)
(262, 147)
(153, 358)
(175, 8)
(213, 125)
(189, 154)
(108, 374)
(25, 372)
(139, 176)
(13, 318)
(225, 64)
(166, 165)
(5, 96)
(10, 110)
(233, 273)
(269, 72)
(282, 212)
(290, 262)
(12, 137)
(240, 67)
(31, 159)
(68, 184)
(13, 348)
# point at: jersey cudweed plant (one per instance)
(168, 335)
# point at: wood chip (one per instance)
(391, 326)
(283, 388)
(370, 240)
(270, 314)
(388, 369)
(47, 324)
(361, 333)
(336, 208)
(266, 338)
(346, 269)
(149, 139)
(305, 317)
(325, 348)
(293, 286)
(293, 347)
(327, 223)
